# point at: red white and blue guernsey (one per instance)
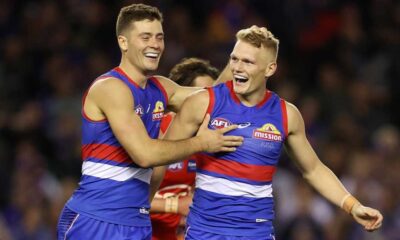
(112, 187)
(233, 193)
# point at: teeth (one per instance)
(240, 78)
(152, 55)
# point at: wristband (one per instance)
(348, 203)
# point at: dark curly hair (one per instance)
(189, 69)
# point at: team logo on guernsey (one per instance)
(139, 110)
(268, 132)
(158, 111)
(218, 123)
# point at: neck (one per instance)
(253, 98)
(133, 72)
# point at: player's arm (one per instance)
(156, 179)
(159, 172)
(114, 100)
(176, 93)
(190, 117)
(225, 75)
(321, 177)
(185, 124)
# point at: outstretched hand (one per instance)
(370, 218)
(215, 141)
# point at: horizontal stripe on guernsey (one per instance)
(104, 151)
(110, 162)
(236, 169)
(232, 188)
(235, 179)
(106, 171)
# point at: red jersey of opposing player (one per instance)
(178, 181)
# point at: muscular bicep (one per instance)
(188, 120)
(115, 101)
(297, 145)
(181, 94)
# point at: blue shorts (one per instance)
(74, 226)
(195, 234)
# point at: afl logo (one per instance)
(139, 110)
(218, 123)
(175, 167)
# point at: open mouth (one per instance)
(152, 55)
(240, 79)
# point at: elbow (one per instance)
(309, 175)
(143, 161)
(313, 173)
(142, 156)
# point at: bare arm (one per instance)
(113, 99)
(185, 124)
(192, 118)
(189, 118)
(157, 176)
(320, 176)
(225, 75)
(175, 204)
(176, 93)
(156, 179)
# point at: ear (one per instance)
(123, 43)
(270, 70)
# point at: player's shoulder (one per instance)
(169, 86)
(161, 78)
(295, 120)
(291, 109)
(199, 96)
(108, 87)
(196, 105)
(108, 83)
(164, 81)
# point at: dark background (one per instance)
(338, 62)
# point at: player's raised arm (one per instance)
(131, 132)
(321, 177)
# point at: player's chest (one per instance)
(263, 125)
(263, 133)
(150, 108)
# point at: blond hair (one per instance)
(259, 37)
